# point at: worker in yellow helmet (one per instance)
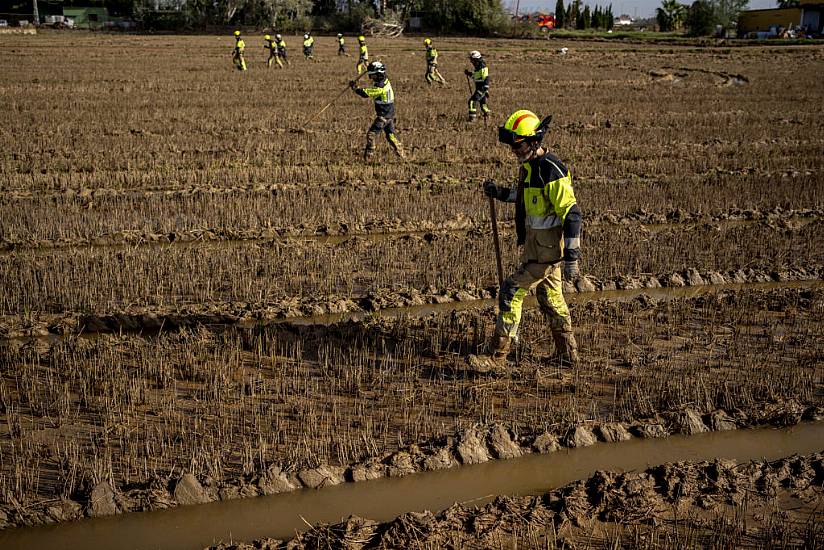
(480, 76)
(237, 53)
(280, 43)
(381, 91)
(548, 225)
(342, 45)
(308, 46)
(270, 45)
(432, 73)
(363, 55)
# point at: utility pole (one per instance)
(36, 13)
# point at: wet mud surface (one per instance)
(719, 504)
(649, 371)
(208, 300)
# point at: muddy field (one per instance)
(718, 504)
(204, 297)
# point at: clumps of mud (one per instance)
(474, 445)
(332, 308)
(716, 504)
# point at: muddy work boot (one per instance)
(566, 348)
(494, 360)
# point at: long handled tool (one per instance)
(497, 242)
(337, 97)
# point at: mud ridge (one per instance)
(391, 228)
(474, 445)
(720, 502)
(330, 309)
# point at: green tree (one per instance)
(586, 18)
(670, 15)
(727, 11)
(700, 20)
(560, 15)
(610, 18)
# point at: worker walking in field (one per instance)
(342, 45)
(481, 78)
(270, 45)
(432, 73)
(363, 55)
(281, 50)
(381, 92)
(237, 53)
(548, 225)
(308, 46)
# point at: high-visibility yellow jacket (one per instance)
(545, 211)
(308, 44)
(383, 95)
(240, 45)
(364, 53)
(481, 77)
(282, 48)
(431, 56)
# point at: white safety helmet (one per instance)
(305, 36)
(376, 70)
(475, 55)
(278, 37)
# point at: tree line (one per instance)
(701, 18)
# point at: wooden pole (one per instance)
(497, 243)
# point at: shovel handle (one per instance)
(495, 237)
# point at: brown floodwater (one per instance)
(280, 516)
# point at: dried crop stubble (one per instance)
(225, 405)
(99, 279)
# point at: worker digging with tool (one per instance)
(363, 55)
(237, 53)
(480, 76)
(548, 225)
(381, 92)
(432, 73)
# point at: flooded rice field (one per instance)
(204, 298)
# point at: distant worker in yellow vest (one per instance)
(363, 55)
(381, 92)
(269, 44)
(481, 78)
(432, 73)
(308, 46)
(341, 45)
(281, 46)
(237, 53)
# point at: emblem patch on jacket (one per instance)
(534, 200)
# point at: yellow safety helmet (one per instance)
(237, 33)
(427, 42)
(523, 125)
(267, 37)
(361, 38)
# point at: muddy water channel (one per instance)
(281, 515)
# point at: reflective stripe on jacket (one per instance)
(481, 77)
(546, 187)
(384, 98)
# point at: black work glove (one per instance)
(570, 270)
(353, 84)
(490, 189)
(467, 72)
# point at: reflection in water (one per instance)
(194, 527)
